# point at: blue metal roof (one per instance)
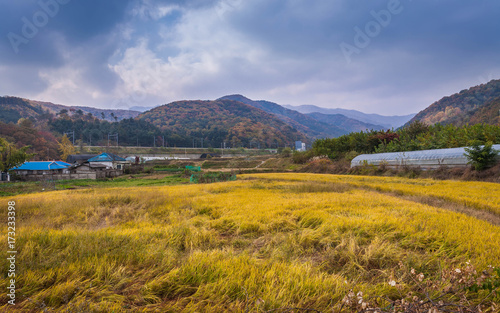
(106, 157)
(42, 165)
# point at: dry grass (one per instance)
(265, 242)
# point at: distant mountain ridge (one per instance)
(374, 119)
(314, 127)
(345, 122)
(301, 122)
(474, 105)
(14, 108)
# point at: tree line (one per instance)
(416, 136)
(127, 132)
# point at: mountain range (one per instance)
(14, 108)
(241, 121)
(312, 126)
(394, 121)
(315, 126)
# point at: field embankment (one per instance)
(264, 242)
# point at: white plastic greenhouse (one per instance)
(453, 157)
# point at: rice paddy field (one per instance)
(264, 243)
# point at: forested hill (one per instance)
(236, 123)
(14, 108)
(489, 113)
(459, 109)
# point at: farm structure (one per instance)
(42, 170)
(105, 165)
(109, 160)
(426, 159)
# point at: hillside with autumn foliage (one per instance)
(488, 113)
(234, 122)
(459, 109)
(14, 108)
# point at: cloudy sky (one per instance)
(377, 56)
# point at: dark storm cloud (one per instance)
(47, 34)
(28, 28)
(289, 51)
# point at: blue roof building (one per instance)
(106, 157)
(109, 160)
(42, 170)
(42, 166)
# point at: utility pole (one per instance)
(115, 135)
(72, 132)
(163, 141)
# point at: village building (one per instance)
(111, 161)
(93, 171)
(42, 170)
(104, 165)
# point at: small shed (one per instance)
(109, 160)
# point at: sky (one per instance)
(391, 57)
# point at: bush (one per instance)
(286, 152)
(481, 157)
(301, 157)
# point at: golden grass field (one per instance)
(264, 243)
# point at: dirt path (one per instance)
(484, 215)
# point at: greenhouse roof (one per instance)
(409, 156)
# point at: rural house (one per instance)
(111, 161)
(42, 170)
(92, 171)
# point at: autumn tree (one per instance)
(66, 147)
(10, 156)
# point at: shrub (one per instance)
(286, 152)
(481, 157)
(301, 157)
